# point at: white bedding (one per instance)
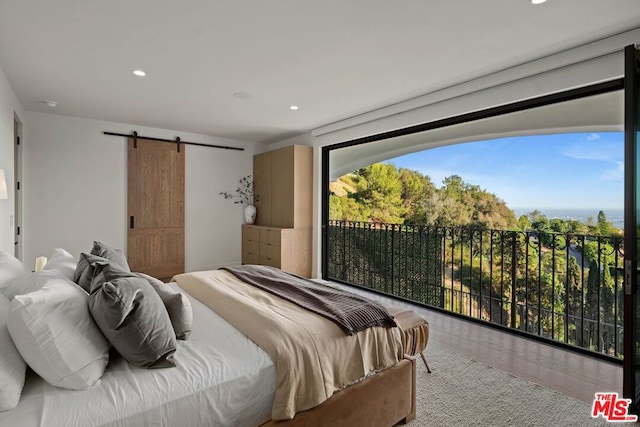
(222, 379)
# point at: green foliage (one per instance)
(346, 209)
(385, 194)
(417, 189)
(604, 227)
(539, 222)
(244, 194)
(524, 223)
(382, 193)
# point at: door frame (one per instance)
(16, 217)
(631, 123)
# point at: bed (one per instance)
(223, 378)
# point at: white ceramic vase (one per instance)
(250, 214)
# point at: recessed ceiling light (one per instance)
(51, 104)
(293, 107)
(243, 95)
(538, 1)
(139, 73)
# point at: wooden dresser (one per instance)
(284, 248)
(281, 236)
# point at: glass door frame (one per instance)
(632, 163)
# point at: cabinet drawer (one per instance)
(270, 262)
(250, 247)
(250, 258)
(269, 251)
(270, 235)
(250, 233)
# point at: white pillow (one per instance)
(62, 262)
(56, 335)
(12, 367)
(27, 282)
(10, 268)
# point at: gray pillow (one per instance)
(132, 317)
(86, 269)
(112, 254)
(177, 304)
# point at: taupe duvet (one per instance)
(313, 356)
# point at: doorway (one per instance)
(16, 218)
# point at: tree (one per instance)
(382, 195)
(599, 302)
(604, 227)
(524, 223)
(385, 194)
(346, 209)
(574, 298)
(416, 191)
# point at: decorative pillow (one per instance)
(27, 282)
(10, 268)
(55, 334)
(12, 367)
(86, 269)
(132, 317)
(112, 254)
(177, 304)
(62, 262)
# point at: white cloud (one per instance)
(590, 152)
(593, 137)
(615, 174)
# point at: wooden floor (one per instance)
(570, 373)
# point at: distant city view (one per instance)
(615, 216)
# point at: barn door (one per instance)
(156, 208)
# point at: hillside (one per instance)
(341, 187)
(383, 193)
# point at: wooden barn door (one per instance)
(156, 208)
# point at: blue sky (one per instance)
(560, 171)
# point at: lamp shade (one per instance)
(3, 186)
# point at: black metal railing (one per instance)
(560, 286)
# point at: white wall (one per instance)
(9, 109)
(75, 186)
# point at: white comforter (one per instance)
(222, 379)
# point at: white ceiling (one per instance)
(333, 58)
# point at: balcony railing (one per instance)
(562, 287)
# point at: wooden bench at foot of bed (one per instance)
(415, 332)
(380, 400)
(384, 399)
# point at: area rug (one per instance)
(464, 392)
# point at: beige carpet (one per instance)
(463, 392)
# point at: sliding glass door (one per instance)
(631, 383)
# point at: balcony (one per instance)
(561, 288)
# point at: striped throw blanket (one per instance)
(351, 312)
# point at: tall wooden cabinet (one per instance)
(281, 236)
(283, 182)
